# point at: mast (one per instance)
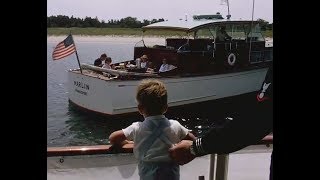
(228, 16)
(223, 3)
(251, 30)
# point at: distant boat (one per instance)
(208, 68)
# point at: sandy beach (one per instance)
(129, 39)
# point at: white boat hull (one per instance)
(115, 97)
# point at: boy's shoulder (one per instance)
(134, 124)
(137, 123)
(174, 122)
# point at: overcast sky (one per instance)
(152, 9)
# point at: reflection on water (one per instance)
(90, 128)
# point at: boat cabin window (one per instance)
(223, 32)
(254, 32)
(205, 33)
(235, 31)
(238, 32)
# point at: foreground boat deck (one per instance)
(94, 162)
(124, 166)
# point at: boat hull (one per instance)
(116, 97)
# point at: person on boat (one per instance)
(98, 62)
(248, 128)
(144, 62)
(222, 35)
(165, 66)
(155, 135)
(107, 63)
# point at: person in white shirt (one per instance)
(144, 63)
(155, 135)
(165, 66)
(107, 63)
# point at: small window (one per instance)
(204, 33)
(238, 32)
(255, 33)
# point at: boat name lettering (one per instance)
(81, 92)
(81, 85)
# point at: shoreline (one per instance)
(104, 38)
(111, 38)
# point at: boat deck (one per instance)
(92, 74)
(124, 166)
(96, 162)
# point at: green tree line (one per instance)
(66, 22)
(62, 21)
(265, 25)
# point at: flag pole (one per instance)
(78, 61)
(251, 30)
(76, 53)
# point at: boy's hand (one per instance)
(126, 142)
(116, 148)
(180, 153)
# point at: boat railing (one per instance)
(218, 163)
(261, 56)
(140, 42)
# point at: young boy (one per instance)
(107, 63)
(155, 135)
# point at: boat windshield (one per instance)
(235, 31)
(205, 33)
(149, 39)
(255, 32)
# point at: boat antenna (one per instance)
(228, 16)
(222, 3)
(251, 30)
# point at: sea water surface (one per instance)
(68, 126)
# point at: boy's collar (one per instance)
(155, 117)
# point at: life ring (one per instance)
(232, 59)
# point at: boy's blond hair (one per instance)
(152, 96)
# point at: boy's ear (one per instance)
(165, 108)
(140, 108)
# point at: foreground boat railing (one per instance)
(106, 149)
(219, 163)
(218, 169)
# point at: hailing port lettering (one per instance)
(81, 85)
(81, 92)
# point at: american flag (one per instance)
(64, 48)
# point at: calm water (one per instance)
(67, 126)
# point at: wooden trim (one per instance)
(87, 150)
(107, 149)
